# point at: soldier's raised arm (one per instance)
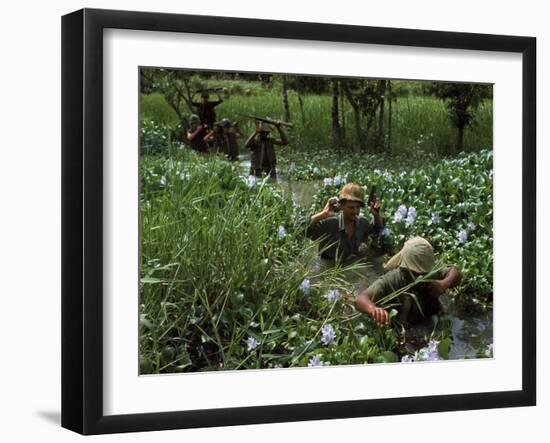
(250, 140)
(283, 141)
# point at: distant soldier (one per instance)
(262, 158)
(415, 259)
(205, 108)
(226, 140)
(197, 134)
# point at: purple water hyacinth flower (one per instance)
(327, 181)
(462, 236)
(315, 362)
(388, 177)
(385, 232)
(337, 180)
(435, 219)
(408, 359)
(333, 295)
(411, 217)
(470, 226)
(430, 352)
(251, 344)
(432, 345)
(328, 334)
(305, 286)
(400, 214)
(402, 209)
(425, 355)
(281, 232)
(316, 170)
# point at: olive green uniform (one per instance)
(400, 277)
(262, 157)
(206, 112)
(228, 145)
(334, 240)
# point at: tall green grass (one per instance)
(419, 123)
(217, 270)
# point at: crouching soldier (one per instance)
(342, 232)
(415, 259)
(262, 158)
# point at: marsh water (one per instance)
(471, 328)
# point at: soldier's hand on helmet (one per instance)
(379, 315)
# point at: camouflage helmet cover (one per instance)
(225, 123)
(353, 192)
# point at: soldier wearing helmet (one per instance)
(225, 139)
(262, 158)
(197, 134)
(340, 226)
(414, 260)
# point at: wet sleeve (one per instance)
(372, 229)
(380, 288)
(314, 231)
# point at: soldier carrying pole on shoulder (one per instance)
(261, 145)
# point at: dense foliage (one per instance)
(228, 279)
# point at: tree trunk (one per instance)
(301, 103)
(380, 137)
(460, 139)
(286, 108)
(343, 113)
(334, 116)
(360, 140)
(390, 99)
(358, 133)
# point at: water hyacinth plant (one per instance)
(447, 201)
(228, 279)
(220, 289)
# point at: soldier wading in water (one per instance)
(416, 259)
(262, 158)
(340, 226)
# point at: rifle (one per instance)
(269, 120)
(372, 196)
(219, 88)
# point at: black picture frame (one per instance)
(82, 218)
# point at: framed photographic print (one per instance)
(268, 221)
